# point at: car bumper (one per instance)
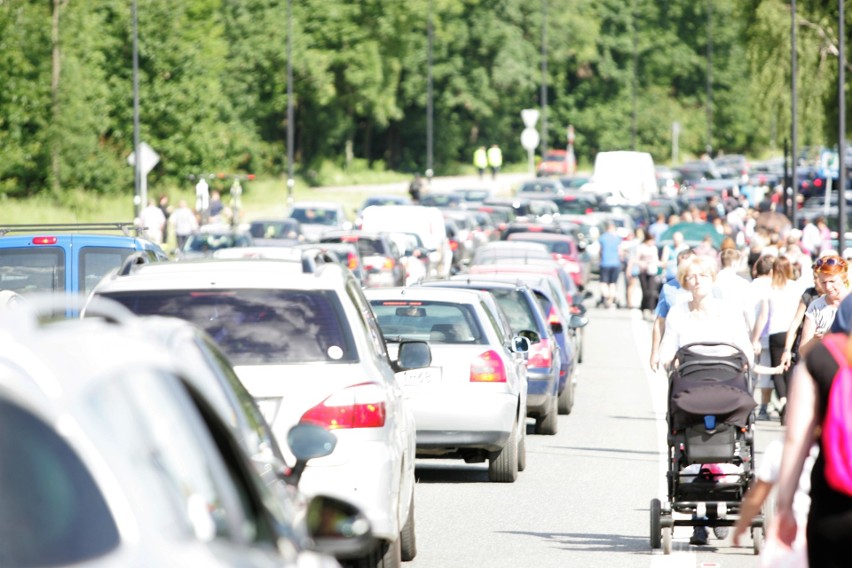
(477, 422)
(369, 479)
(541, 388)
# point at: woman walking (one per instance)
(648, 261)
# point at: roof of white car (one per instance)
(454, 295)
(214, 274)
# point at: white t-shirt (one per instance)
(782, 306)
(822, 314)
(722, 322)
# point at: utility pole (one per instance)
(635, 122)
(291, 181)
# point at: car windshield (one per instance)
(209, 242)
(315, 215)
(258, 327)
(436, 322)
(274, 230)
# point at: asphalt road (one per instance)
(584, 497)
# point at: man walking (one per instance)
(480, 161)
(610, 245)
(495, 160)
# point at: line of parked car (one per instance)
(264, 404)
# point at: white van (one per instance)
(427, 222)
(625, 175)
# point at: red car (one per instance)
(555, 162)
(564, 250)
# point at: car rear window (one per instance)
(258, 327)
(436, 322)
(32, 269)
(52, 511)
(96, 262)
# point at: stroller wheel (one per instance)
(757, 539)
(667, 540)
(656, 530)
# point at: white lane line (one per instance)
(681, 555)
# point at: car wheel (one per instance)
(504, 467)
(407, 540)
(522, 449)
(548, 424)
(566, 398)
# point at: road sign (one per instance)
(150, 158)
(530, 138)
(829, 164)
(530, 117)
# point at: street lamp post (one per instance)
(841, 142)
(543, 77)
(794, 106)
(137, 171)
(429, 109)
(291, 182)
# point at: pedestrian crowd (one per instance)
(781, 295)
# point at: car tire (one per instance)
(407, 538)
(503, 468)
(548, 424)
(566, 398)
(522, 448)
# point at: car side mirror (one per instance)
(413, 355)
(577, 321)
(531, 335)
(307, 442)
(520, 344)
(338, 528)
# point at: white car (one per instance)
(110, 457)
(471, 402)
(317, 217)
(304, 342)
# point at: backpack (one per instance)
(837, 423)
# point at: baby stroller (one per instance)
(710, 442)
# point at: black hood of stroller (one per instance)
(702, 385)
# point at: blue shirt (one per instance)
(610, 243)
(667, 297)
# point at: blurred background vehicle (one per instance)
(210, 238)
(317, 217)
(276, 232)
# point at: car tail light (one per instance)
(360, 406)
(540, 356)
(351, 261)
(389, 263)
(454, 245)
(44, 240)
(552, 316)
(817, 182)
(488, 368)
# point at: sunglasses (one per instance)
(828, 261)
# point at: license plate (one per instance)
(425, 376)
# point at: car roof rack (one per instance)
(124, 227)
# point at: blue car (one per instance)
(67, 258)
(544, 359)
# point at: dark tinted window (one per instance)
(96, 262)
(32, 269)
(52, 512)
(437, 322)
(517, 309)
(257, 327)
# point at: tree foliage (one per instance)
(213, 83)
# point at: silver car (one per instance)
(109, 457)
(304, 342)
(470, 403)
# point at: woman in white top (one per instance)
(832, 273)
(704, 318)
(779, 309)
